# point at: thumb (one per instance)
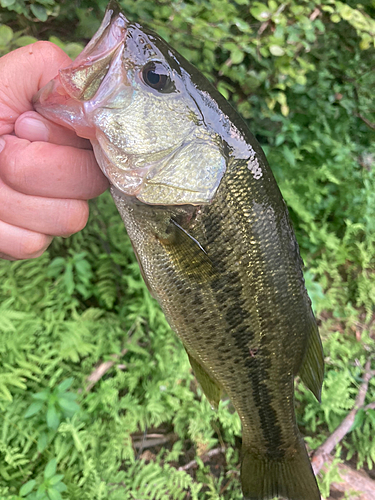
(23, 72)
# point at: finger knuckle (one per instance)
(76, 216)
(47, 48)
(13, 170)
(33, 246)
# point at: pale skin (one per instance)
(47, 172)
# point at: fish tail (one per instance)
(292, 478)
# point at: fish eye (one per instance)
(156, 76)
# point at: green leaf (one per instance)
(53, 418)
(242, 25)
(58, 264)
(39, 12)
(358, 420)
(53, 494)
(50, 469)
(83, 267)
(41, 495)
(64, 386)
(7, 3)
(56, 479)
(25, 40)
(42, 395)
(371, 414)
(68, 278)
(42, 442)
(41, 492)
(68, 406)
(73, 49)
(70, 396)
(237, 56)
(82, 290)
(34, 408)
(289, 156)
(276, 50)
(27, 487)
(260, 11)
(6, 34)
(60, 487)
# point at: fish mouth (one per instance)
(64, 99)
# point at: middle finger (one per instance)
(54, 171)
(57, 217)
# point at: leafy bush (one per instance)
(299, 72)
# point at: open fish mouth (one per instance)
(83, 77)
(70, 96)
(89, 84)
(86, 96)
(126, 92)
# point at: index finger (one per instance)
(23, 72)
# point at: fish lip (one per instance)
(96, 57)
(113, 18)
(70, 88)
(98, 53)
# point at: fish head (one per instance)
(150, 124)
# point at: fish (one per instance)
(211, 233)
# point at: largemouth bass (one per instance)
(211, 233)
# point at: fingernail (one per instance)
(36, 129)
(2, 144)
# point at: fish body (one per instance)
(211, 233)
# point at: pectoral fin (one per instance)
(312, 369)
(210, 388)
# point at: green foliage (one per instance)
(345, 359)
(59, 403)
(38, 10)
(331, 475)
(51, 487)
(75, 273)
(300, 74)
(10, 40)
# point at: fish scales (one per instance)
(211, 233)
(232, 310)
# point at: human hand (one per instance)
(47, 172)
